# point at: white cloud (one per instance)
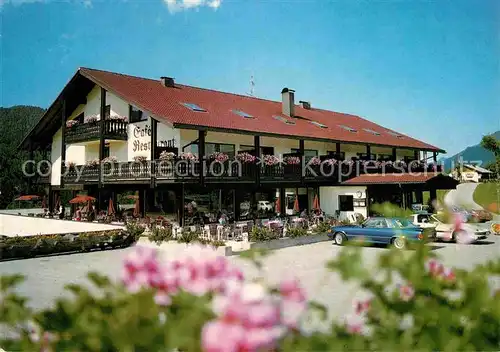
(87, 3)
(179, 5)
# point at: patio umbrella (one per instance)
(28, 197)
(316, 202)
(111, 208)
(296, 207)
(44, 203)
(137, 209)
(277, 206)
(81, 199)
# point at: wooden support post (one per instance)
(142, 202)
(282, 202)
(101, 144)
(302, 159)
(154, 139)
(394, 156)
(256, 143)
(51, 200)
(337, 151)
(201, 155)
(63, 140)
(434, 157)
(416, 155)
(369, 152)
(181, 205)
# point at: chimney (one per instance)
(288, 103)
(305, 104)
(167, 82)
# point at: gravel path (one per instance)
(462, 196)
(47, 276)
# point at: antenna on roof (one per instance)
(252, 87)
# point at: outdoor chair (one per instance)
(277, 229)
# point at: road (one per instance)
(462, 196)
(47, 276)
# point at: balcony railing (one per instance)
(189, 171)
(113, 129)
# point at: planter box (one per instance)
(174, 248)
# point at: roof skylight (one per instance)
(193, 107)
(395, 134)
(282, 119)
(243, 114)
(319, 124)
(350, 129)
(371, 131)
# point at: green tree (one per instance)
(15, 123)
(492, 144)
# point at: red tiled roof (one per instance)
(369, 179)
(165, 103)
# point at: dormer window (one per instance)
(371, 131)
(194, 107)
(285, 120)
(395, 134)
(350, 129)
(319, 124)
(242, 114)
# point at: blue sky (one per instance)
(430, 69)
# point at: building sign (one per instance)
(139, 140)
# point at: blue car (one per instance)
(390, 231)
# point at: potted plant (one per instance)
(140, 159)
(92, 163)
(71, 123)
(91, 119)
(110, 159)
(219, 156)
(245, 157)
(167, 156)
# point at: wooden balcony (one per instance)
(113, 129)
(231, 171)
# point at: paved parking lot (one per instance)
(47, 276)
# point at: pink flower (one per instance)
(219, 336)
(406, 292)
(354, 328)
(449, 275)
(362, 307)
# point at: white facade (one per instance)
(329, 200)
(139, 138)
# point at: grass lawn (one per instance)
(486, 196)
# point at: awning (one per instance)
(441, 181)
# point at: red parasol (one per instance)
(277, 206)
(111, 208)
(316, 202)
(80, 199)
(296, 207)
(28, 197)
(44, 202)
(137, 209)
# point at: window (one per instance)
(136, 115)
(319, 124)
(107, 112)
(421, 218)
(106, 150)
(307, 152)
(194, 107)
(395, 134)
(243, 114)
(211, 148)
(251, 150)
(364, 156)
(285, 120)
(80, 118)
(346, 203)
(338, 156)
(376, 223)
(350, 129)
(371, 131)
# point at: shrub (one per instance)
(188, 236)
(262, 233)
(134, 229)
(322, 227)
(217, 243)
(159, 235)
(296, 232)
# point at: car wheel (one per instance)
(339, 239)
(399, 243)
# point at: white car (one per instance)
(443, 230)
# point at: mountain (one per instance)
(473, 154)
(15, 123)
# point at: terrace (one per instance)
(83, 132)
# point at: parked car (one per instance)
(443, 229)
(395, 231)
(481, 215)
